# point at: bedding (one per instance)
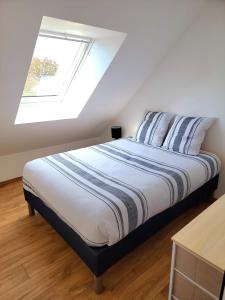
(104, 192)
(187, 134)
(153, 128)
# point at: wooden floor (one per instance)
(35, 263)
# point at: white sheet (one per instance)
(106, 191)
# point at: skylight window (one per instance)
(56, 60)
(69, 61)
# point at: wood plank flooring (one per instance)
(35, 262)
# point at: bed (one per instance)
(106, 199)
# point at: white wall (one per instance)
(152, 27)
(190, 81)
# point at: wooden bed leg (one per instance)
(30, 210)
(98, 282)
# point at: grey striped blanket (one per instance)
(106, 191)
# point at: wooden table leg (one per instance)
(30, 210)
(172, 271)
(98, 283)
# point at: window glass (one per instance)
(55, 61)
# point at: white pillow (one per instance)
(187, 134)
(153, 128)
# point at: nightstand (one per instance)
(198, 257)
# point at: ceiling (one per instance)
(153, 28)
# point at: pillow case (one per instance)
(153, 128)
(187, 134)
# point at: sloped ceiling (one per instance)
(153, 27)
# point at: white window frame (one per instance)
(104, 45)
(26, 100)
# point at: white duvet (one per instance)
(105, 191)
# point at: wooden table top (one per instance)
(205, 235)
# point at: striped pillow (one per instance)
(153, 128)
(187, 134)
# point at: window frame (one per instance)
(69, 78)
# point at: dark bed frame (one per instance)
(99, 259)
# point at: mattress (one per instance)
(104, 192)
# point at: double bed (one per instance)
(106, 199)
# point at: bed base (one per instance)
(99, 259)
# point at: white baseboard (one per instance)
(11, 166)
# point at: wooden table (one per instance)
(198, 257)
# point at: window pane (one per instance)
(53, 63)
